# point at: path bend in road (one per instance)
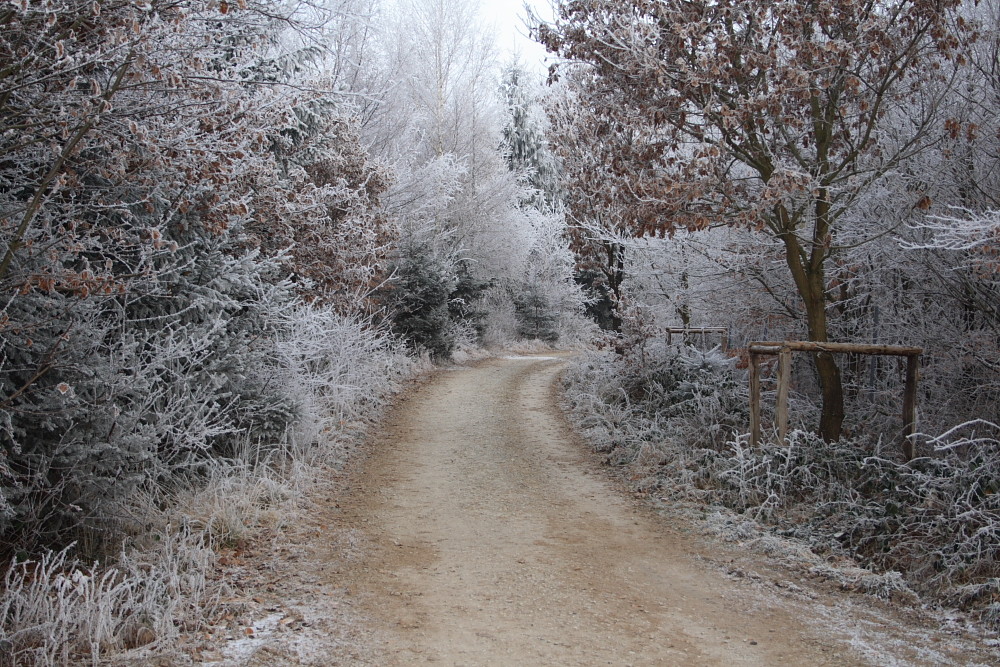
(496, 541)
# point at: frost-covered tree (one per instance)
(441, 132)
(525, 141)
(770, 115)
(420, 294)
(597, 207)
(546, 299)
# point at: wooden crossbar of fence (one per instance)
(783, 350)
(852, 348)
(702, 331)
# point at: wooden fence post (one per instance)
(784, 350)
(910, 404)
(754, 399)
(784, 378)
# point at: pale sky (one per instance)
(512, 37)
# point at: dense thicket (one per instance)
(135, 324)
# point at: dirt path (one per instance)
(484, 534)
(498, 544)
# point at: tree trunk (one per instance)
(810, 281)
(832, 417)
(614, 272)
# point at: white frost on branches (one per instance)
(970, 231)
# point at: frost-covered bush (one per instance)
(653, 393)
(500, 323)
(156, 223)
(331, 374)
(935, 520)
(335, 370)
(149, 384)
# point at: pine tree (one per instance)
(524, 141)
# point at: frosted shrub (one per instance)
(153, 337)
(334, 373)
(335, 370)
(155, 383)
(803, 468)
(684, 399)
(936, 519)
(500, 322)
(698, 394)
(516, 311)
(576, 329)
(931, 525)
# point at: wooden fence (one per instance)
(783, 350)
(704, 332)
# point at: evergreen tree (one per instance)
(418, 300)
(535, 318)
(524, 143)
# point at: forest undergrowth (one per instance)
(65, 608)
(674, 418)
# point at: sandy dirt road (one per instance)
(478, 531)
(498, 542)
